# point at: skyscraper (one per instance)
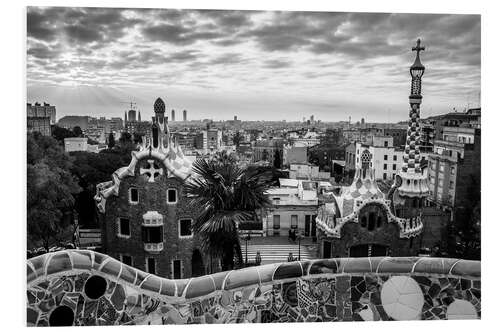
(132, 114)
(173, 115)
(184, 115)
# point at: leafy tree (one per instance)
(111, 140)
(224, 195)
(125, 138)
(77, 131)
(92, 169)
(237, 138)
(50, 189)
(60, 133)
(137, 138)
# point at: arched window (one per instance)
(371, 221)
(363, 221)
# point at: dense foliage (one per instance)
(225, 195)
(50, 189)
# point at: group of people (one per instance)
(292, 235)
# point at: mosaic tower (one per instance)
(411, 186)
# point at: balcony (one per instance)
(152, 218)
(153, 247)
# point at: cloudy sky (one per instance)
(253, 64)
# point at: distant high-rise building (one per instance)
(45, 110)
(139, 116)
(132, 115)
(40, 117)
(184, 115)
(362, 121)
(116, 124)
(125, 119)
(173, 115)
(235, 117)
(312, 118)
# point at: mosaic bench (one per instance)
(80, 287)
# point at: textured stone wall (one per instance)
(152, 197)
(80, 287)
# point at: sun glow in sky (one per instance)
(256, 65)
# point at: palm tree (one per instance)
(224, 195)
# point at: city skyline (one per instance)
(255, 65)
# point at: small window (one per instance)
(126, 259)
(294, 222)
(177, 269)
(123, 227)
(385, 166)
(134, 195)
(385, 176)
(386, 143)
(385, 157)
(276, 201)
(151, 265)
(394, 167)
(185, 228)
(171, 196)
(395, 157)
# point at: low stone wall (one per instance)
(79, 287)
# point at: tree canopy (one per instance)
(225, 195)
(50, 188)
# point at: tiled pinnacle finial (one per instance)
(159, 106)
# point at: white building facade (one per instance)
(294, 207)
(386, 160)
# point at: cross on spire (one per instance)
(418, 48)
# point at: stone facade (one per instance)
(143, 206)
(152, 197)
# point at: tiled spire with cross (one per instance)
(411, 156)
(413, 177)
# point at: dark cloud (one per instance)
(77, 25)
(38, 26)
(39, 50)
(178, 35)
(82, 34)
(229, 19)
(228, 58)
(277, 63)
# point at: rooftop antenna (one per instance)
(133, 105)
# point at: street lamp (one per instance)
(299, 238)
(247, 238)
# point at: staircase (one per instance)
(277, 249)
